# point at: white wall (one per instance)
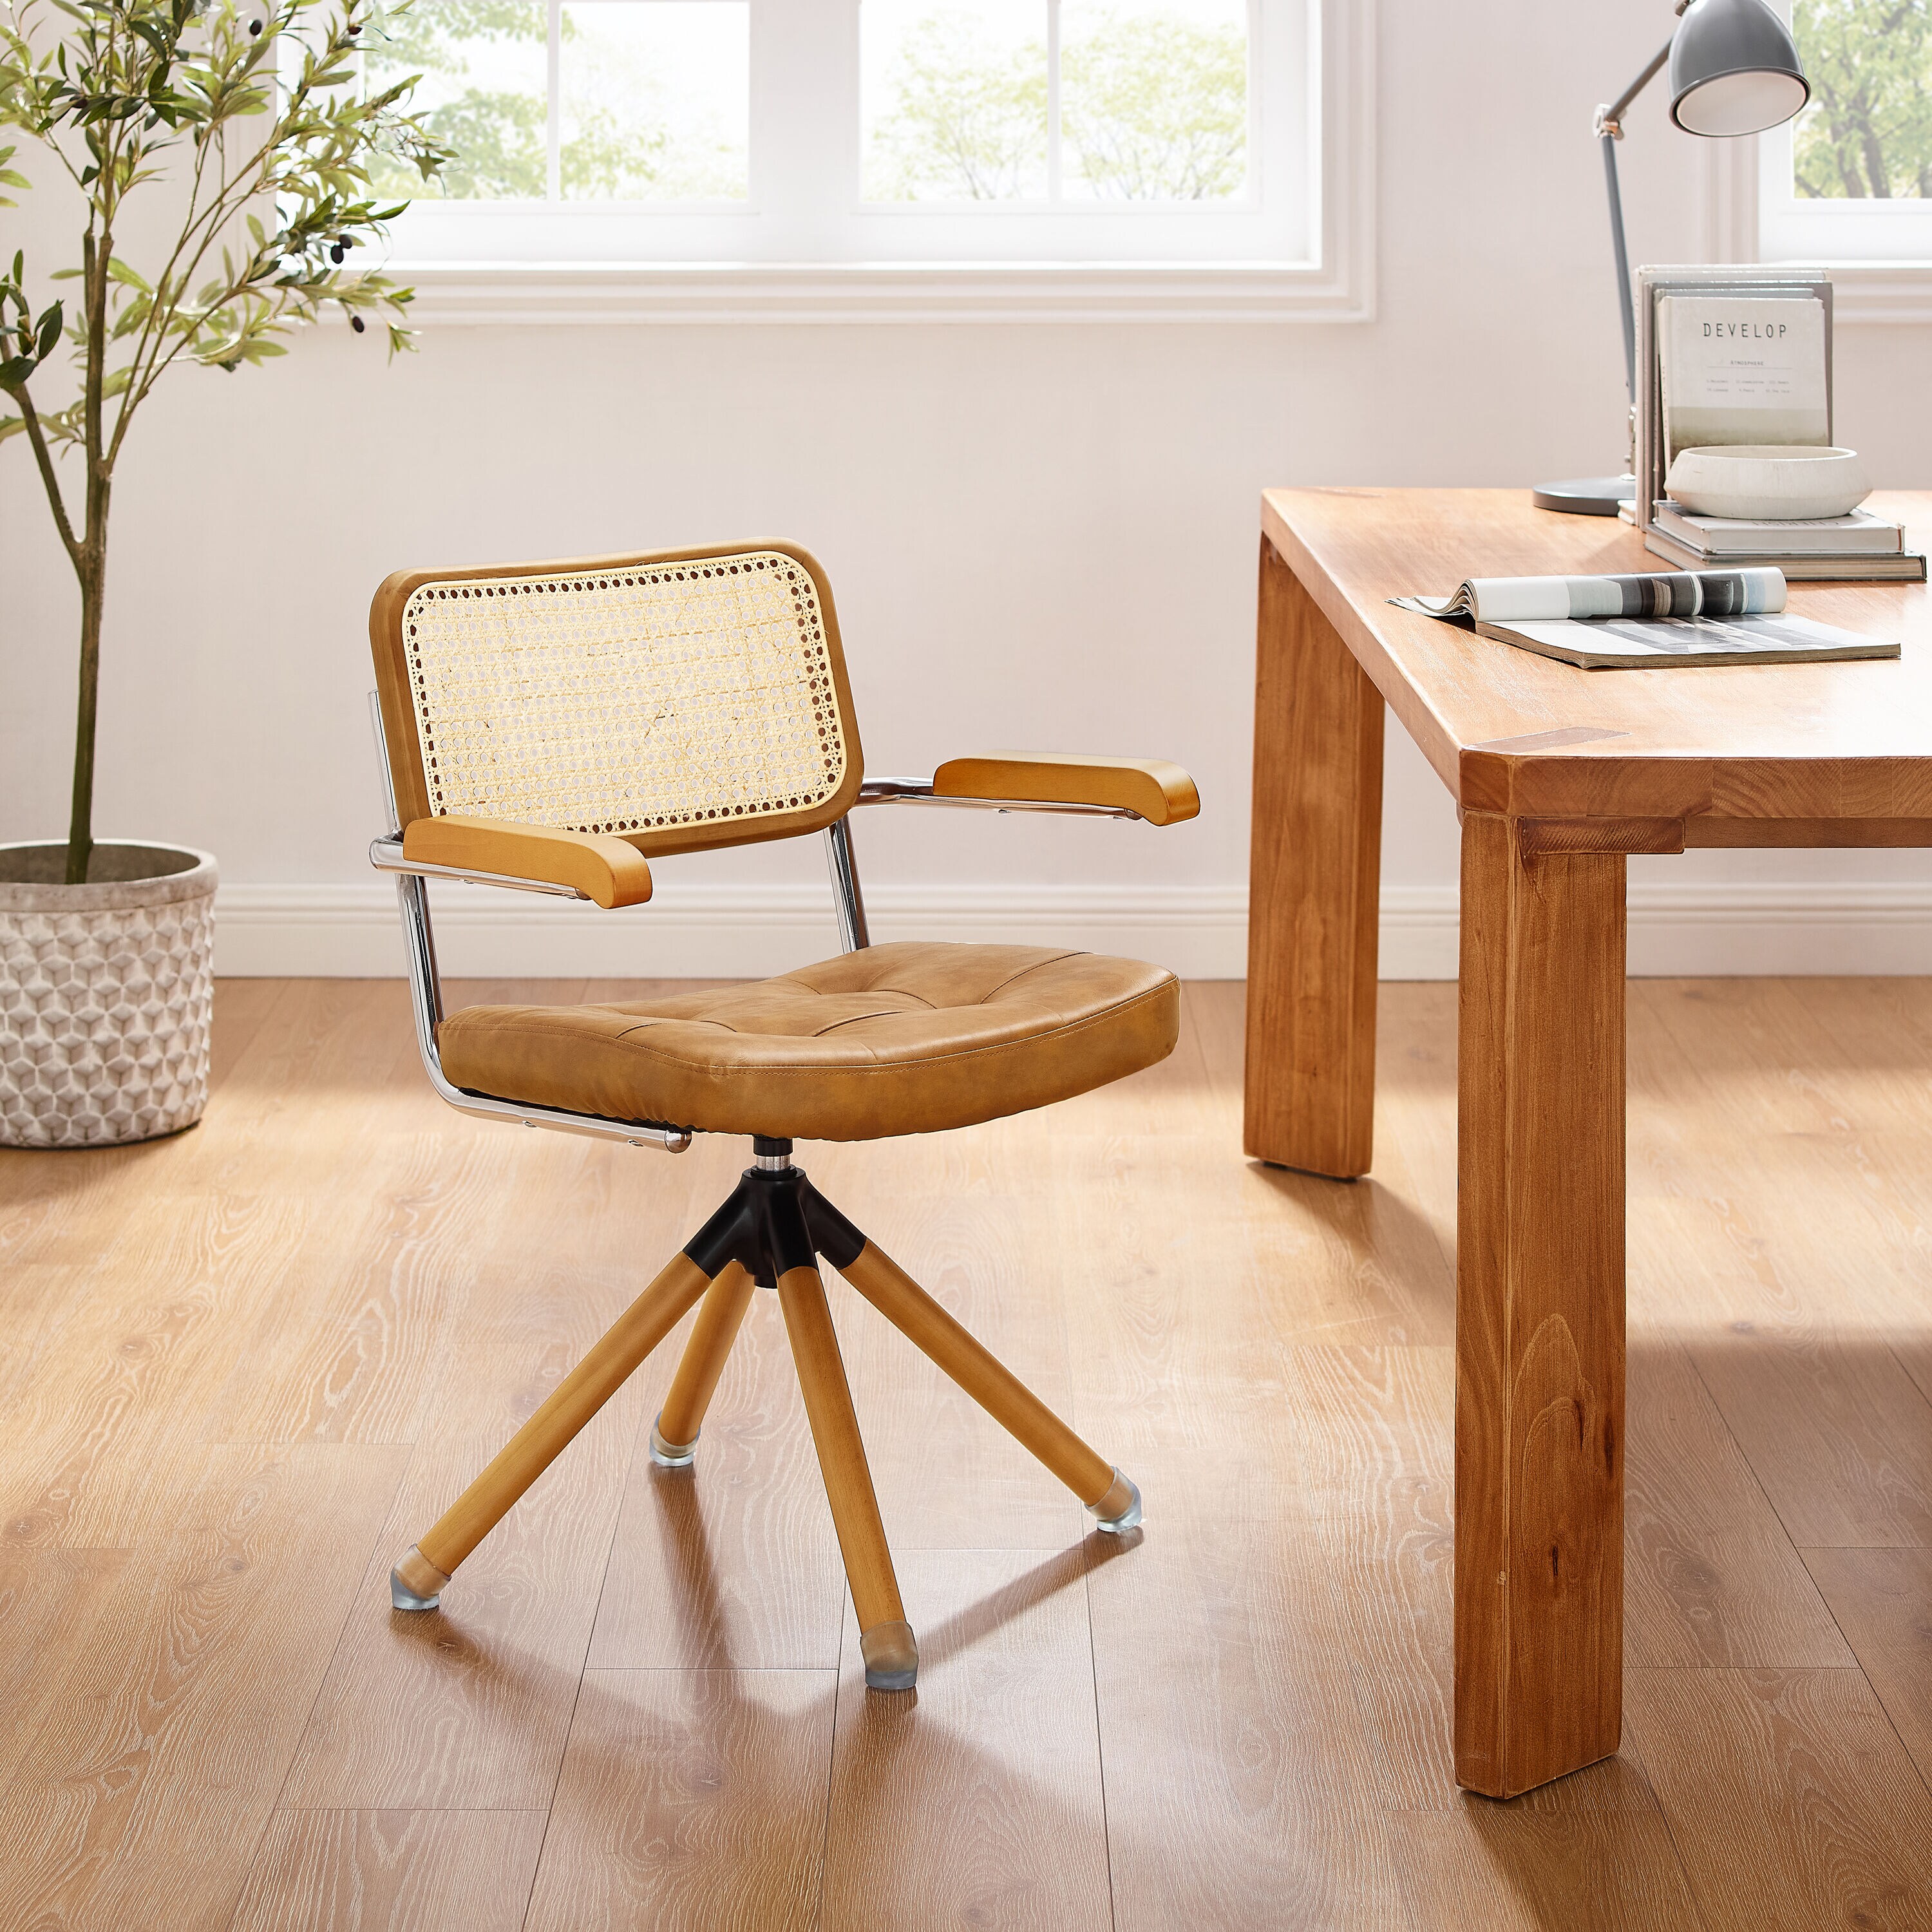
(1038, 534)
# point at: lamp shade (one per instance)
(1734, 69)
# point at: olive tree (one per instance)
(240, 134)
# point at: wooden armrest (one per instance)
(1162, 794)
(602, 868)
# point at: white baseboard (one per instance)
(698, 932)
(1866, 927)
(693, 931)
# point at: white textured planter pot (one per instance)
(106, 994)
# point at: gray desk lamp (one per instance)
(1734, 70)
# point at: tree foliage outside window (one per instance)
(968, 117)
(631, 127)
(1867, 133)
(492, 126)
(1153, 106)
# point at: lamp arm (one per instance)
(1609, 132)
(1612, 117)
(1626, 304)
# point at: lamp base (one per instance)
(1585, 496)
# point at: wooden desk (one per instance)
(1558, 774)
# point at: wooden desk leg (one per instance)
(1539, 1312)
(1314, 878)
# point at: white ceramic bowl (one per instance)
(1780, 481)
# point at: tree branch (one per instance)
(43, 457)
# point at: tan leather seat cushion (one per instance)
(893, 1040)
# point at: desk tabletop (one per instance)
(1777, 754)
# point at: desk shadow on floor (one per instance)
(1377, 1268)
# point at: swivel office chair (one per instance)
(549, 727)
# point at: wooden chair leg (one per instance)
(674, 1434)
(1111, 1498)
(891, 1656)
(417, 1581)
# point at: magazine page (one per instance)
(1610, 643)
(1677, 593)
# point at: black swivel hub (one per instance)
(774, 1221)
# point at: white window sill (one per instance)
(524, 293)
(1894, 291)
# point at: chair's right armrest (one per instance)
(1151, 788)
(602, 868)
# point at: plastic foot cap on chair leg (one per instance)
(672, 1455)
(892, 1657)
(1119, 1509)
(415, 1583)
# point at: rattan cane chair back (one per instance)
(679, 700)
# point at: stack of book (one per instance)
(1843, 548)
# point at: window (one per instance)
(1850, 180)
(1075, 103)
(593, 101)
(742, 136)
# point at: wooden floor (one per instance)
(240, 1370)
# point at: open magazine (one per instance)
(1679, 617)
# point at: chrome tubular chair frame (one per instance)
(920, 791)
(854, 934)
(426, 983)
(851, 902)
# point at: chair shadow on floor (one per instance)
(698, 1600)
(913, 1819)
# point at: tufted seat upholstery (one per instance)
(893, 1040)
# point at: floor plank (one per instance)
(1373, 1427)
(1882, 1601)
(731, 1563)
(689, 1800)
(1790, 1798)
(392, 1871)
(975, 1800)
(1568, 1862)
(466, 1707)
(149, 1781)
(107, 1435)
(1164, 1328)
(353, 1354)
(1224, 1708)
(1710, 1576)
(973, 1257)
(1838, 1434)
(51, 1602)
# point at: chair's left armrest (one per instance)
(1151, 788)
(608, 870)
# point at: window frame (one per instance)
(709, 262)
(1793, 227)
(1879, 253)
